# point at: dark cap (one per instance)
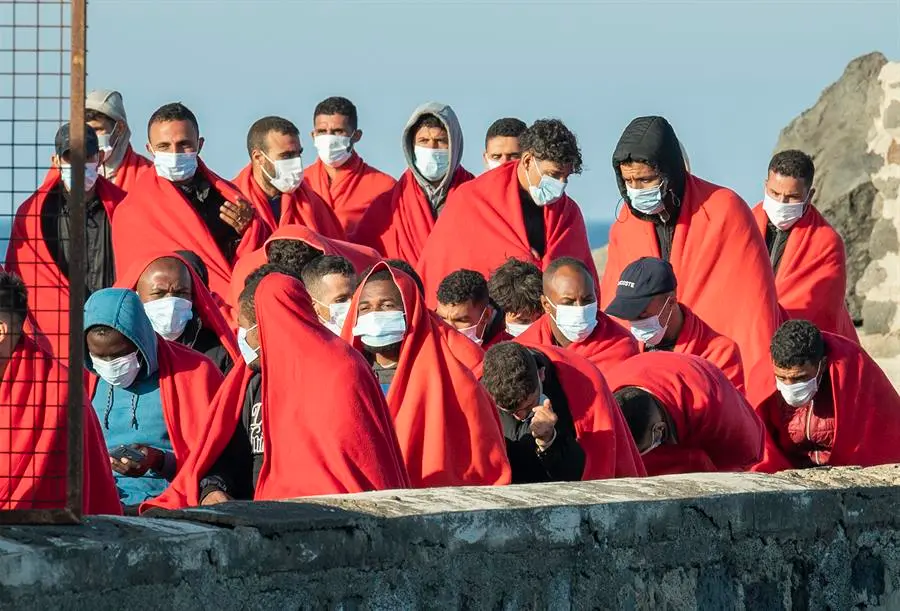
(91, 145)
(640, 282)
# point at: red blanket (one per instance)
(866, 411)
(399, 222)
(302, 207)
(482, 226)
(717, 429)
(156, 217)
(355, 186)
(131, 169)
(34, 423)
(353, 449)
(812, 277)
(465, 350)
(608, 345)
(723, 270)
(599, 424)
(361, 257)
(699, 339)
(29, 258)
(446, 422)
(204, 304)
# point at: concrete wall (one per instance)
(811, 540)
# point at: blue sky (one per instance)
(727, 74)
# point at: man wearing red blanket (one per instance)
(185, 206)
(104, 110)
(520, 210)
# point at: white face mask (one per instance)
(288, 173)
(472, 332)
(432, 164)
(175, 167)
(378, 329)
(516, 329)
(120, 372)
(493, 164)
(576, 323)
(781, 215)
(649, 200)
(105, 144)
(334, 151)
(169, 316)
(799, 394)
(249, 354)
(337, 314)
(90, 175)
(650, 331)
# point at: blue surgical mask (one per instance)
(90, 175)
(250, 355)
(516, 329)
(649, 200)
(432, 164)
(547, 191)
(378, 329)
(576, 323)
(175, 167)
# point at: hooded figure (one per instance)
(121, 164)
(708, 235)
(398, 223)
(151, 396)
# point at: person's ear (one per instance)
(200, 144)
(149, 149)
(658, 432)
(54, 161)
(356, 137)
(312, 135)
(542, 374)
(812, 194)
(545, 304)
(257, 157)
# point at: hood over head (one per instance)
(652, 140)
(446, 115)
(122, 310)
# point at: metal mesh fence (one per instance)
(41, 203)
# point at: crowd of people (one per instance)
(322, 328)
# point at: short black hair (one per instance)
(510, 375)
(175, 111)
(551, 140)
(292, 255)
(794, 164)
(507, 127)
(13, 298)
(638, 406)
(461, 286)
(95, 115)
(407, 269)
(322, 266)
(247, 298)
(256, 137)
(558, 264)
(516, 287)
(337, 105)
(796, 343)
(427, 120)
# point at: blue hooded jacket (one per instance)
(132, 415)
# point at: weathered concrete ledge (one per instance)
(802, 540)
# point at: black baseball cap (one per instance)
(640, 282)
(91, 144)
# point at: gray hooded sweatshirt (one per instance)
(436, 195)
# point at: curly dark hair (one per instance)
(510, 375)
(461, 286)
(292, 255)
(507, 127)
(551, 140)
(516, 287)
(175, 111)
(797, 343)
(13, 298)
(337, 105)
(794, 164)
(407, 269)
(256, 136)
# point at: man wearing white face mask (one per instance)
(273, 181)
(833, 404)
(330, 281)
(339, 175)
(39, 247)
(519, 210)
(105, 112)
(571, 319)
(501, 143)
(399, 223)
(516, 287)
(464, 304)
(807, 254)
(645, 298)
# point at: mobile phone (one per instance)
(124, 451)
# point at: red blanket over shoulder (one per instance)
(361, 257)
(398, 223)
(866, 411)
(131, 169)
(34, 399)
(302, 207)
(354, 448)
(446, 422)
(465, 350)
(599, 424)
(608, 345)
(204, 303)
(156, 217)
(482, 226)
(355, 186)
(723, 270)
(716, 427)
(812, 277)
(29, 258)
(699, 339)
